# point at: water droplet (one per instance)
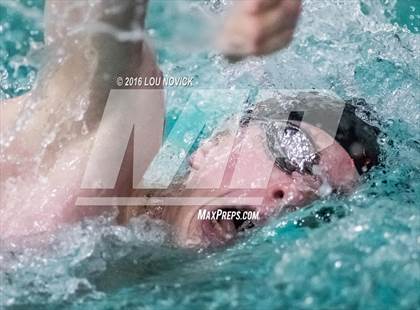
(188, 137)
(85, 129)
(182, 154)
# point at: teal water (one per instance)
(356, 252)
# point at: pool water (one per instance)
(356, 252)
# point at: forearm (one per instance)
(64, 16)
(111, 28)
(80, 68)
(97, 41)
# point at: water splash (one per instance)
(357, 251)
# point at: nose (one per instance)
(285, 192)
(276, 193)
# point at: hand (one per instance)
(258, 27)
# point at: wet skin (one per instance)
(247, 166)
(240, 163)
(40, 181)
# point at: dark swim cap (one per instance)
(346, 121)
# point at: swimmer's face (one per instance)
(240, 165)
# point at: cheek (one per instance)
(253, 167)
(244, 164)
(207, 169)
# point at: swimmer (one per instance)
(88, 45)
(301, 160)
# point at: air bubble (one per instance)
(189, 137)
(84, 131)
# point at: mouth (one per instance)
(223, 229)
